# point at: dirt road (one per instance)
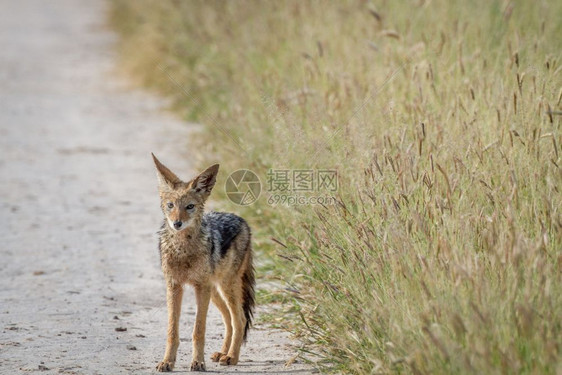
(79, 207)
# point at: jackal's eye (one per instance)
(170, 205)
(189, 206)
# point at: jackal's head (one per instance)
(183, 202)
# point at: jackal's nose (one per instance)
(177, 224)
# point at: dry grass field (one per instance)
(443, 251)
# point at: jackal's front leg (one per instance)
(174, 296)
(202, 297)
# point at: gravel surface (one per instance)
(81, 291)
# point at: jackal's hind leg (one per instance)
(223, 308)
(233, 297)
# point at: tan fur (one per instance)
(186, 260)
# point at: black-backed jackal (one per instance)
(212, 252)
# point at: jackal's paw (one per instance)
(198, 366)
(165, 366)
(217, 356)
(228, 361)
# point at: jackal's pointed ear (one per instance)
(166, 177)
(206, 180)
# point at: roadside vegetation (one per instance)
(443, 252)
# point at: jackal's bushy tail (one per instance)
(248, 284)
